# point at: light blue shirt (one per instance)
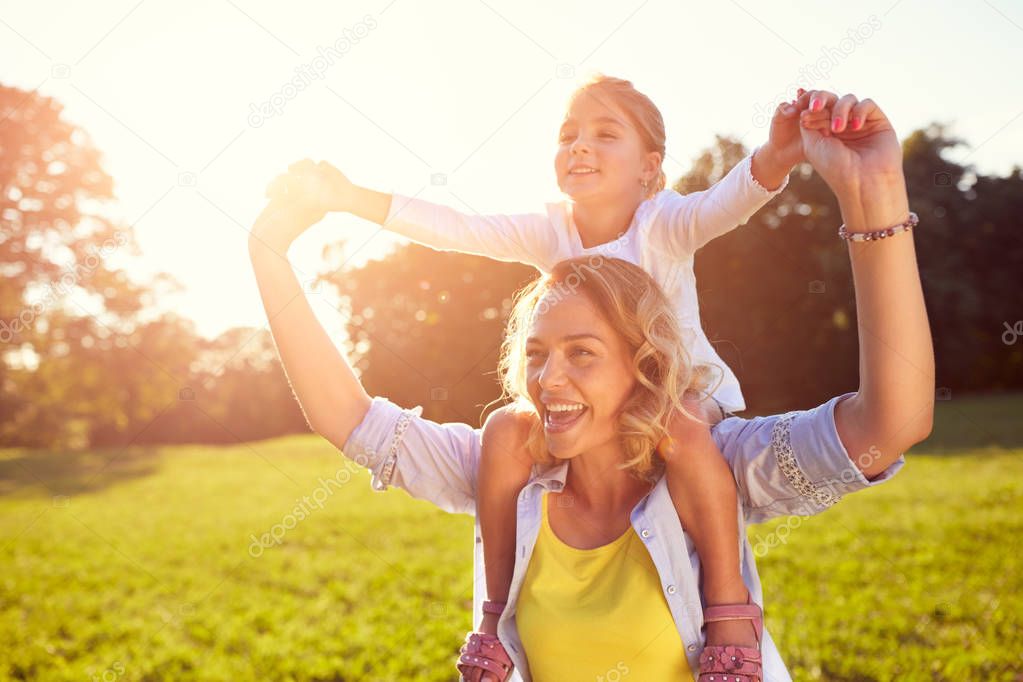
(786, 464)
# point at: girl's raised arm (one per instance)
(330, 395)
(862, 163)
(519, 238)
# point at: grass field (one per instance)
(141, 565)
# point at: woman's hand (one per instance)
(281, 222)
(318, 184)
(848, 141)
(853, 146)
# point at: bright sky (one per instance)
(470, 89)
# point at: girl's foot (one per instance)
(483, 658)
(733, 660)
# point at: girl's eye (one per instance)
(581, 351)
(608, 136)
(532, 353)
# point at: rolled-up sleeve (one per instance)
(430, 461)
(792, 463)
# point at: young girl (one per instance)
(611, 145)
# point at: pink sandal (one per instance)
(484, 653)
(728, 662)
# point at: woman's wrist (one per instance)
(260, 247)
(874, 203)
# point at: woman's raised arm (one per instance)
(331, 396)
(861, 160)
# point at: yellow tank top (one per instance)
(596, 614)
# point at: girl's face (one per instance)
(600, 153)
(576, 360)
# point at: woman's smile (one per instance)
(561, 418)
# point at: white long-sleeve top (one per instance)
(665, 233)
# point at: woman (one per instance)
(796, 463)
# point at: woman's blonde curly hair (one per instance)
(633, 304)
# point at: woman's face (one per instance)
(600, 153)
(576, 360)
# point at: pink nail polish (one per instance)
(836, 123)
(815, 104)
(856, 122)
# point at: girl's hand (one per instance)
(319, 185)
(849, 142)
(785, 138)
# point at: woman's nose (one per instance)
(551, 375)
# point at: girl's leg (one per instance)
(505, 466)
(704, 493)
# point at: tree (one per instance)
(55, 382)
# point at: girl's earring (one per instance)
(644, 183)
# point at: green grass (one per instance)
(140, 568)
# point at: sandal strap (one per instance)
(747, 611)
(482, 650)
(494, 606)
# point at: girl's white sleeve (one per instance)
(521, 238)
(688, 221)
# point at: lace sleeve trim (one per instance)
(781, 441)
(387, 470)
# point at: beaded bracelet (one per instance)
(910, 223)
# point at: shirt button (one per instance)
(692, 647)
(671, 589)
(644, 533)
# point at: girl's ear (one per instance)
(652, 165)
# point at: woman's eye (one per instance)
(581, 351)
(608, 136)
